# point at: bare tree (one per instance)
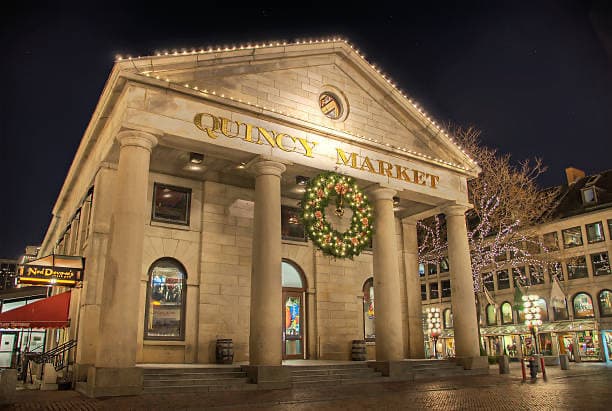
(508, 204)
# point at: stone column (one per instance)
(463, 301)
(389, 333)
(414, 310)
(114, 372)
(266, 279)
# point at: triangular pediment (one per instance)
(289, 80)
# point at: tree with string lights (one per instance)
(508, 204)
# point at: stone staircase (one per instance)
(438, 369)
(195, 379)
(358, 372)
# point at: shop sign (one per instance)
(353, 159)
(65, 271)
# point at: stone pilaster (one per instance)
(462, 286)
(389, 333)
(415, 347)
(266, 280)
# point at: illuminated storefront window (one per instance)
(583, 306)
(165, 310)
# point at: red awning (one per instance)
(51, 312)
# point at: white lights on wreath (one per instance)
(533, 318)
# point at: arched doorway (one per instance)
(293, 311)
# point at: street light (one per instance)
(433, 324)
(533, 318)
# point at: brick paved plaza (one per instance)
(583, 387)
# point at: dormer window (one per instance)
(589, 195)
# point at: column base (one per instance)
(268, 377)
(473, 363)
(112, 382)
(401, 370)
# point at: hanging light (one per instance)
(196, 158)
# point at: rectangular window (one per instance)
(555, 270)
(601, 264)
(433, 291)
(423, 292)
(421, 270)
(171, 204)
(532, 245)
(291, 226)
(432, 269)
(551, 241)
(503, 280)
(595, 232)
(577, 268)
(446, 288)
(518, 274)
(572, 237)
(610, 228)
(487, 279)
(536, 276)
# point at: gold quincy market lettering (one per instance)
(385, 168)
(288, 143)
(253, 134)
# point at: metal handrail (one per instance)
(57, 356)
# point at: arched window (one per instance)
(368, 310)
(506, 313)
(292, 278)
(605, 303)
(583, 306)
(491, 315)
(448, 318)
(165, 310)
(294, 311)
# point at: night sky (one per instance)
(535, 78)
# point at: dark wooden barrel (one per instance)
(225, 351)
(358, 351)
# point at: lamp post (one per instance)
(532, 316)
(433, 324)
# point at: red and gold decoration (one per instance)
(343, 192)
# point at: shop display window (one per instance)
(171, 204)
(588, 345)
(545, 341)
(165, 310)
(506, 313)
(583, 306)
(446, 288)
(572, 237)
(551, 241)
(368, 310)
(291, 225)
(595, 232)
(605, 303)
(503, 280)
(560, 313)
(577, 268)
(601, 263)
(448, 318)
(491, 315)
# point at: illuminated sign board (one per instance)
(61, 270)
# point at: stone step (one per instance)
(334, 377)
(332, 371)
(356, 364)
(187, 375)
(194, 381)
(193, 370)
(199, 388)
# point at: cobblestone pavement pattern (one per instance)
(583, 387)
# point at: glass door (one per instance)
(293, 330)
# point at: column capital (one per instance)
(455, 210)
(137, 138)
(267, 167)
(382, 193)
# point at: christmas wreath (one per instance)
(344, 192)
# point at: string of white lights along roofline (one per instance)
(249, 46)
